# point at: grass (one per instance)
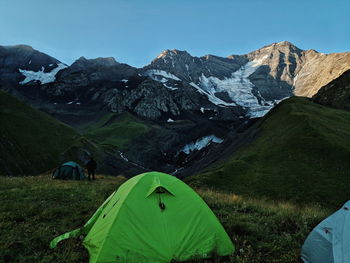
(301, 154)
(33, 210)
(30, 141)
(116, 130)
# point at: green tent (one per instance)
(69, 170)
(152, 218)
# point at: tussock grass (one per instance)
(263, 230)
(33, 210)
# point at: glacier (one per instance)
(160, 75)
(238, 87)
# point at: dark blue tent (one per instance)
(69, 171)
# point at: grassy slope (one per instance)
(301, 154)
(33, 210)
(30, 141)
(116, 130)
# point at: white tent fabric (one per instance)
(329, 241)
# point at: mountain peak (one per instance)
(82, 58)
(107, 61)
(171, 52)
(282, 45)
(20, 47)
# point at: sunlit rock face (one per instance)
(319, 69)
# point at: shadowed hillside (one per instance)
(336, 93)
(300, 153)
(30, 141)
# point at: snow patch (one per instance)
(170, 120)
(201, 143)
(202, 109)
(278, 101)
(43, 77)
(123, 156)
(169, 87)
(125, 80)
(160, 75)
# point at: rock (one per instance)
(336, 93)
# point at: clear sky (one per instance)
(136, 31)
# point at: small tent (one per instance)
(329, 242)
(69, 170)
(152, 218)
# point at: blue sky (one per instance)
(136, 31)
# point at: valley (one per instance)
(141, 119)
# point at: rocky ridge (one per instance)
(336, 93)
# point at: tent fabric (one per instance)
(153, 218)
(69, 170)
(329, 242)
(85, 229)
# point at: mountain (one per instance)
(255, 81)
(175, 83)
(298, 152)
(32, 142)
(84, 71)
(237, 80)
(191, 107)
(336, 93)
(21, 63)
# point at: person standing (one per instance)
(91, 168)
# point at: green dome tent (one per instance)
(152, 218)
(69, 170)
